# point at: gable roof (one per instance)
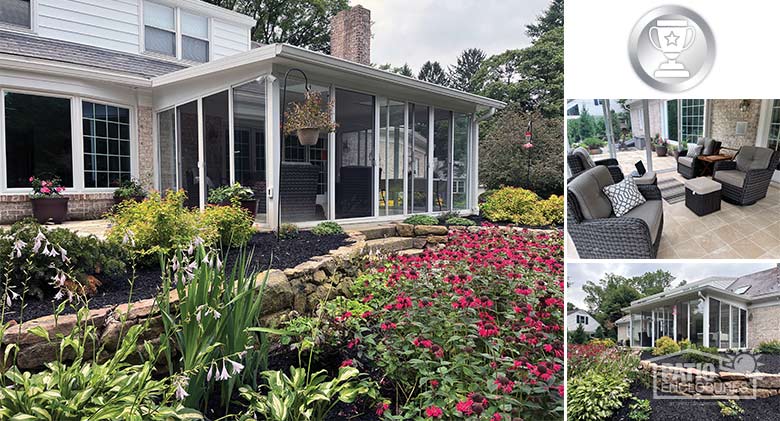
(760, 283)
(719, 282)
(624, 319)
(36, 47)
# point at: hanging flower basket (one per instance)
(308, 118)
(47, 203)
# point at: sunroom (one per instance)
(402, 146)
(706, 316)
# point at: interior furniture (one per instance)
(595, 230)
(298, 191)
(745, 180)
(708, 163)
(354, 192)
(691, 167)
(579, 161)
(702, 195)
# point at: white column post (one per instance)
(630, 329)
(377, 128)
(608, 128)
(674, 313)
(231, 138)
(706, 328)
(273, 143)
(201, 157)
(648, 135)
(430, 158)
(653, 332)
(474, 165)
(331, 211)
(451, 160)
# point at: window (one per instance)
(582, 320)
(774, 126)
(38, 139)
(16, 13)
(743, 289)
(160, 34)
(159, 29)
(671, 120)
(692, 119)
(106, 144)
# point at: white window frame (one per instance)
(681, 124)
(177, 31)
(77, 141)
(33, 28)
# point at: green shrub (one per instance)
(594, 142)
(665, 345)
(158, 225)
(287, 231)
(229, 194)
(233, 223)
(327, 228)
(640, 410)
(684, 344)
(551, 209)
(731, 409)
(513, 204)
(460, 222)
(602, 342)
(593, 395)
(422, 220)
(483, 197)
(769, 347)
(699, 358)
(130, 189)
(35, 256)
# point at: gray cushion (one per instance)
(646, 179)
(733, 177)
(702, 185)
(709, 146)
(587, 189)
(651, 212)
(685, 160)
(753, 158)
(584, 155)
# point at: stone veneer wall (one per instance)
(146, 147)
(725, 114)
(637, 119)
(692, 382)
(763, 325)
(350, 35)
(80, 206)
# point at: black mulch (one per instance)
(767, 363)
(766, 409)
(286, 253)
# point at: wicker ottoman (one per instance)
(702, 195)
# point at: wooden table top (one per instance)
(714, 158)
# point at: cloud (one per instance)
(579, 273)
(415, 31)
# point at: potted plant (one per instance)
(661, 146)
(47, 201)
(308, 118)
(129, 190)
(234, 194)
(594, 145)
(674, 150)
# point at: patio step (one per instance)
(380, 231)
(390, 245)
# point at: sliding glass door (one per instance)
(216, 141)
(442, 141)
(392, 133)
(187, 146)
(417, 173)
(354, 154)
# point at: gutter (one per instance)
(728, 294)
(72, 70)
(491, 113)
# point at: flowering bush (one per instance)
(665, 345)
(233, 223)
(46, 188)
(309, 115)
(474, 330)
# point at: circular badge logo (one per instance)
(671, 48)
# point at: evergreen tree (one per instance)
(432, 72)
(462, 74)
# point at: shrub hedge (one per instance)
(521, 206)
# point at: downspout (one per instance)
(475, 176)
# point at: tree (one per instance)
(508, 160)
(653, 282)
(551, 18)
(462, 74)
(579, 336)
(404, 70)
(432, 72)
(587, 125)
(304, 23)
(570, 307)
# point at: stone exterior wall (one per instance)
(692, 382)
(763, 325)
(726, 114)
(637, 119)
(145, 147)
(80, 206)
(350, 35)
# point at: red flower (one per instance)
(434, 411)
(346, 363)
(381, 408)
(496, 417)
(434, 383)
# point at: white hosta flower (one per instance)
(52, 252)
(197, 240)
(58, 296)
(210, 373)
(18, 246)
(223, 375)
(215, 313)
(59, 279)
(175, 264)
(64, 255)
(129, 238)
(39, 239)
(235, 366)
(219, 263)
(181, 383)
(191, 249)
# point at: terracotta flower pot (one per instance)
(308, 136)
(50, 208)
(661, 150)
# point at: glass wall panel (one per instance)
(106, 136)
(304, 174)
(418, 159)
(442, 123)
(682, 321)
(725, 325)
(38, 139)
(714, 332)
(354, 154)
(646, 334)
(637, 329)
(697, 322)
(167, 151)
(460, 163)
(187, 127)
(735, 334)
(664, 322)
(249, 138)
(743, 328)
(392, 133)
(216, 140)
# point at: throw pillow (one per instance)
(624, 196)
(694, 150)
(709, 145)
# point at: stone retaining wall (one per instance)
(292, 291)
(692, 382)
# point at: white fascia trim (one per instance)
(72, 70)
(210, 10)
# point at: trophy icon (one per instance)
(672, 38)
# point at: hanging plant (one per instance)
(308, 118)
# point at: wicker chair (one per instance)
(579, 161)
(595, 230)
(745, 180)
(690, 167)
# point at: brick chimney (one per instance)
(350, 35)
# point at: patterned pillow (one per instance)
(694, 150)
(624, 196)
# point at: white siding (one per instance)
(228, 39)
(109, 24)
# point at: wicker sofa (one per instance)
(579, 161)
(691, 167)
(745, 180)
(595, 230)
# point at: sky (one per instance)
(578, 274)
(415, 31)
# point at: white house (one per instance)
(175, 93)
(580, 317)
(575, 107)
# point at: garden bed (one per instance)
(479, 220)
(286, 253)
(769, 363)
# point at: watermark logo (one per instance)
(693, 374)
(671, 48)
